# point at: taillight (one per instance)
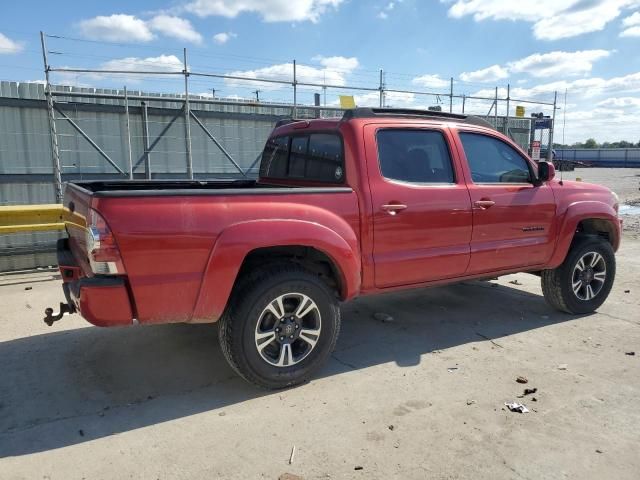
(103, 252)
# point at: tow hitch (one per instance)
(50, 317)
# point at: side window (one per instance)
(317, 156)
(275, 158)
(324, 161)
(493, 161)
(298, 158)
(415, 156)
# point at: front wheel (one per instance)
(281, 326)
(583, 282)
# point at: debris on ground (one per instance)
(81, 433)
(528, 391)
(515, 282)
(516, 407)
(627, 291)
(490, 339)
(290, 476)
(544, 317)
(452, 369)
(534, 399)
(522, 380)
(598, 450)
(293, 452)
(383, 317)
(28, 288)
(470, 402)
(391, 427)
(631, 354)
(562, 366)
(358, 467)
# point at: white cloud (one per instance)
(631, 32)
(8, 46)
(269, 10)
(620, 102)
(631, 20)
(387, 8)
(175, 27)
(338, 63)
(334, 72)
(632, 24)
(161, 63)
(558, 63)
(116, 28)
(551, 19)
(430, 81)
(489, 74)
(223, 37)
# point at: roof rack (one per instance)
(365, 112)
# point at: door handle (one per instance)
(393, 208)
(484, 204)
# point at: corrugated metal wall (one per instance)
(25, 150)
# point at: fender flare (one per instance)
(236, 242)
(574, 214)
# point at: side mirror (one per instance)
(546, 172)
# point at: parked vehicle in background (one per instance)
(375, 201)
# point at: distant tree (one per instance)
(590, 143)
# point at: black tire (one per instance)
(249, 305)
(557, 284)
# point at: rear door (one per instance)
(421, 206)
(513, 219)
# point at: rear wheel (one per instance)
(583, 282)
(281, 326)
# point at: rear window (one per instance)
(315, 156)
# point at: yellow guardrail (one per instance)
(37, 218)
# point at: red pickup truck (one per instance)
(372, 202)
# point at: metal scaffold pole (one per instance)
(187, 119)
(451, 96)
(381, 88)
(53, 134)
(553, 127)
(295, 92)
(128, 122)
(145, 140)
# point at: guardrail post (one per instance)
(53, 133)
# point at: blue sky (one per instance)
(590, 48)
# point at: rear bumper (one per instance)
(101, 300)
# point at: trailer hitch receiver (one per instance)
(51, 317)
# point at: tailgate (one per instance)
(78, 201)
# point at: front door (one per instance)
(513, 219)
(421, 207)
